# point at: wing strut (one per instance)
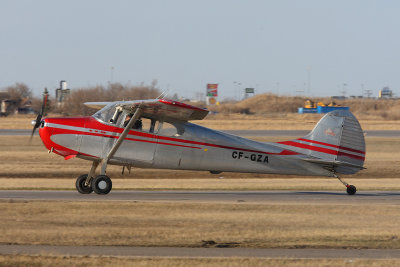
(121, 138)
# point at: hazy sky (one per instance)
(271, 45)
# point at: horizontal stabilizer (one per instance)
(333, 163)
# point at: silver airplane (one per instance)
(157, 134)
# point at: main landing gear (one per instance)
(87, 183)
(101, 184)
(351, 189)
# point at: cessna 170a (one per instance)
(157, 134)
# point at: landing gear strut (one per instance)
(351, 189)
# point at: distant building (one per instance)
(62, 94)
(9, 106)
(385, 93)
(4, 103)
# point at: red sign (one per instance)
(212, 89)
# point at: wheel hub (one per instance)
(102, 185)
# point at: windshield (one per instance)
(110, 114)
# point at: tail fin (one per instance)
(336, 141)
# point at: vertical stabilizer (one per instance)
(337, 139)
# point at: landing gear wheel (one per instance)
(351, 190)
(101, 184)
(80, 185)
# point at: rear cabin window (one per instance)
(169, 129)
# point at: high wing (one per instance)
(157, 108)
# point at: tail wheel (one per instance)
(102, 184)
(351, 189)
(80, 185)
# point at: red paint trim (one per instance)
(317, 142)
(335, 146)
(321, 149)
(341, 153)
(309, 147)
(179, 104)
(70, 156)
(99, 128)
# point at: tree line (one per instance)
(73, 104)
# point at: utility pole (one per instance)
(344, 89)
(308, 81)
(112, 74)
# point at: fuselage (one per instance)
(180, 145)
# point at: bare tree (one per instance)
(19, 93)
(114, 92)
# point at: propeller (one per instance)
(36, 123)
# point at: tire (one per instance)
(80, 185)
(102, 184)
(351, 190)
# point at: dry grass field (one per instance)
(50, 261)
(279, 225)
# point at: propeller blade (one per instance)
(40, 114)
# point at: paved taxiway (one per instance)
(123, 251)
(386, 197)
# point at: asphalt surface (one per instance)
(253, 133)
(121, 251)
(386, 197)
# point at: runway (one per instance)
(243, 133)
(124, 251)
(304, 197)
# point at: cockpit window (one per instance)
(109, 114)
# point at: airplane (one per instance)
(156, 133)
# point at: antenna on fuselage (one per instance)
(163, 94)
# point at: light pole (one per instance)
(238, 84)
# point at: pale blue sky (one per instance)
(184, 44)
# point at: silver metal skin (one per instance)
(181, 145)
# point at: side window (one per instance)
(144, 124)
(169, 129)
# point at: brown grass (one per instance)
(67, 261)
(266, 225)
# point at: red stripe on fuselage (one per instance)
(321, 149)
(93, 124)
(335, 146)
